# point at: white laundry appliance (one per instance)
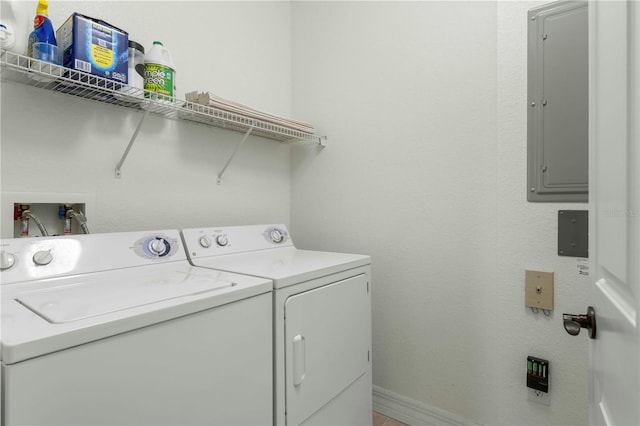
(322, 319)
(119, 328)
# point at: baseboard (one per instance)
(412, 412)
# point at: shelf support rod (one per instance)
(235, 151)
(131, 141)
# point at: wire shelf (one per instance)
(21, 69)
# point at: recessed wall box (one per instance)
(46, 207)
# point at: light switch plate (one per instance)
(538, 290)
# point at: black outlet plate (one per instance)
(538, 374)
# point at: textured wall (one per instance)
(424, 105)
(527, 239)
(238, 50)
(406, 92)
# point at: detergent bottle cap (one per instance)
(43, 8)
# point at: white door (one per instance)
(614, 68)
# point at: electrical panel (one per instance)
(558, 103)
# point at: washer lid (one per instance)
(84, 299)
(44, 316)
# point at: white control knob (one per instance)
(158, 246)
(222, 240)
(7, 260)
(43, 257)
(205, 241)
(276, 236)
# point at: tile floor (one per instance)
(382, 420)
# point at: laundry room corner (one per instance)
(418, 192)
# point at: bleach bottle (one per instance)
(159, 73)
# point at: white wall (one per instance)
(527, 239)
(424, 106)
(238, 50)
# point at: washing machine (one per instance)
(119, 329)
(321, 325)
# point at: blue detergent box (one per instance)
(95, 47)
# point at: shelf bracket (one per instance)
(131, 141)
(235, 151)
(320, 141)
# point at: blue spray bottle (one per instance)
(43, 33)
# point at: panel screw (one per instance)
(533, 104)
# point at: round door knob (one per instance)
(573, 323)
(43, 257)
(222, 240)
(205, 241)
(7, 260)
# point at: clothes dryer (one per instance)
(322, 319)
(120, 329)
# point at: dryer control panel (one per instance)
(234, 239)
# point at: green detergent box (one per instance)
(95, 47)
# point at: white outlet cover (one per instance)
(538, 396)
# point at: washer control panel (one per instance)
(23, 259)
